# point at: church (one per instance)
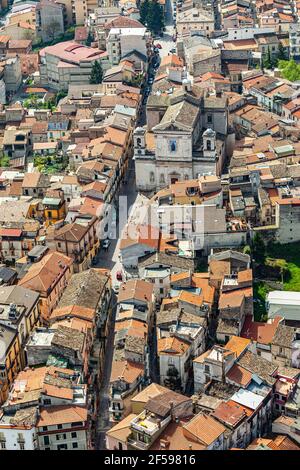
(186, 135)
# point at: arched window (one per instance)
(208, 145)
(162, 179)
(139, 142)
(151, 176)
(186, 177)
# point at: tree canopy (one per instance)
(290, 70)
(97, 73)
(152, 15)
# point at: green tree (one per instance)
(152, 15)
(281, 52)
(268, 61)
(97, 73)
(4, 161)
(144, 10)
(290, 70)
(259, 249)
(155, 17)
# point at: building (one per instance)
(174, 147)
(49, 277)
(285, 304)
(50, 20)
(68, 63)
(77, 240)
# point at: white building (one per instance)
(285, 304)
(123, 41)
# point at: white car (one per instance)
(116, 288)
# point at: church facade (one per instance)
(185, 137)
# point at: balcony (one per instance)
(138, 444)
(148, 423)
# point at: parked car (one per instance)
(116, 288)
(158, 46)
(150, 80)
(119, 276)
(173, 50)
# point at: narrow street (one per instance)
(110, 259)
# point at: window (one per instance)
(75, 445)
(73, 435)
(207, 369)
(59, 426)
(209, 118)
(3, 445)
(45, 428)
(62, 447)
(46, 440)
(22, 446)
(47, 401)
(208, 145)
(172, 145)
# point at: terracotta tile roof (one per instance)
(191, 298)
(61, 415)
(127, 370)
(172, 345)
(134, 327)
(174, 438)
(153, 390)
(259, 331)
(136, 289)
(179, 276)
(237, 345)
(121, 430)
(58, 392)
(141, 234)
(77, 311)
(43, 275)
(204, 428)
(207, 291)
(229, 414)
(71, 232)
(239, 375)
(232, 299)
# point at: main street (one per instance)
(110, 258)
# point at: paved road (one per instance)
(166, 41)
(110, 259)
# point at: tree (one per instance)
(281, 52)
(53, 29)
(268, 62)
(152, 15)
(97, 73)
(259, 249)
(290, 70)
(144, 10)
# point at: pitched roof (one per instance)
(122, 430)
(239, 375)
(172, 345)
(237, 345)
(260, 332)
(136, 289)
(54, 415)
(229, 413)
(42, 275)
(204, 428)
(126, 370)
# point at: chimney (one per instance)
(186, 85)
